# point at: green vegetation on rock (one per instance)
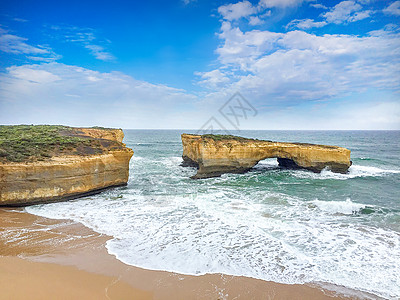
(19, 143)
(221, 137)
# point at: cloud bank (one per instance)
(299, 77)
(58, 93)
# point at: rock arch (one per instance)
(214, 155)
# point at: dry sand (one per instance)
(59, 259)
(23, 279)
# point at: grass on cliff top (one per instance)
(19, 143)
(222, 137)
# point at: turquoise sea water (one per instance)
(289, 226)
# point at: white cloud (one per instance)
(393, 9)
(267, 13)
(386, 113)
(318, 5)
(306, 24)
(57, 93)
(100, 53)
(33, 75)
(365, 2)
(60, 94)
(345, 12)
(85, 37)
(20, 20)
(298, 66)
(254, 20)
(361, 15)
(285, 72)
(236, 11)
(213, 79)
(280, 3)
(93, 78)
(14, 44)
(186, 2)
(355, 115)
(240, 49)
(254, 13)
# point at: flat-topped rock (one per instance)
(48, 163)
(214, 155)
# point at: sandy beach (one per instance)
(47, 259)
(24, 279)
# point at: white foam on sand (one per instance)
(165, 221)
(269, 236)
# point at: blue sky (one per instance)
(302, 64)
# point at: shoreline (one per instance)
(57, 252)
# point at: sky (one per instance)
(197, 64)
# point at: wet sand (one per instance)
(46, 259)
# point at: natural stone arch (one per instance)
(214, 155)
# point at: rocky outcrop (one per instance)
(64, 177)
(99, 133)
(214, 155)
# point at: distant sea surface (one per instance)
(288, 226)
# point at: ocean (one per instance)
(287, 226)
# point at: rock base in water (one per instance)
(214, 155)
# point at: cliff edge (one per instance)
(46, 163)
(214, 155)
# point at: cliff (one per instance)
(214, 155)
(102, 133)
(55, 163)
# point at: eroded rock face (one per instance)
(61, 178)
(107, 134)
(216, 155)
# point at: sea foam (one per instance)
(288, 241)
(355, 171)
(288, 226)
(342, 207)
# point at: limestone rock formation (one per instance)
(214, 155)
(97, 160)
(105, 133)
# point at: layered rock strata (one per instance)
(63, 177)
(214, 155)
